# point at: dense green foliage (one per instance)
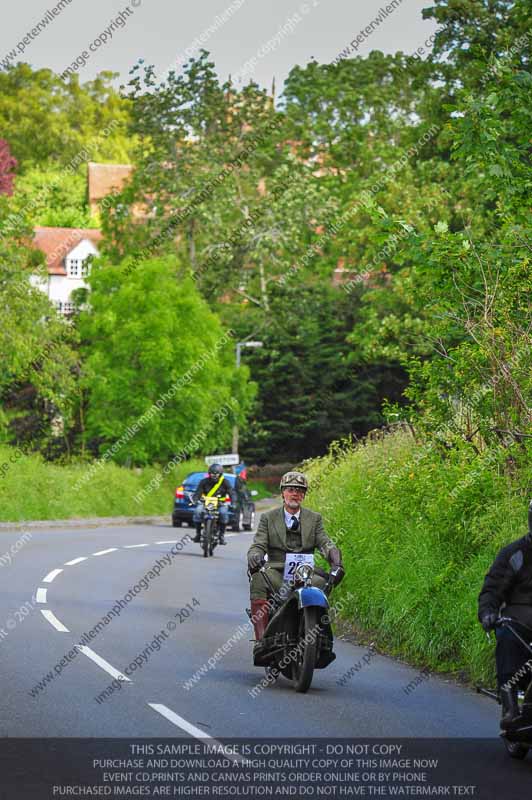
(310, 391)
(48, 121)
(141, 347)
(37, 382)
(418, 534)
(413, 175)
(53, 197)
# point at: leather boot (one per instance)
(197, 537)
(510, 707)
(259, 617)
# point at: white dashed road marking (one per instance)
(51, 575)
(129, 546)
(41, 595)
(104, 552)
(103, 664)
(76, 561)
(52, 619)
(179, 722)
(175, 719)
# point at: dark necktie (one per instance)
(295, 524)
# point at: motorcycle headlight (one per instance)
(303, 572)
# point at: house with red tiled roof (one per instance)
(66, 251)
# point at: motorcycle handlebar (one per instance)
(511, 621)
(318, 570)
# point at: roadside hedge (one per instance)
(418, 530)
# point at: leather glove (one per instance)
(488, 621)
(335, 560)
(338, 575)
(255, 561)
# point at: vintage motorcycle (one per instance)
(518, 737)
(298, 638)
(210, 530)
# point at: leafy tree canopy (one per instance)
(148, 338)
(46, 120)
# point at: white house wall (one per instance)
(59, 288)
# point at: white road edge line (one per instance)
(170, 541)
(127, 546)
(75, 561)
(51, 575)
(104, 552)
(40, 597)
(179, 722)
(52, 619)
(103, 663)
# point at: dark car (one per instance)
(241, 515)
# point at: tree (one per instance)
(151, 339)
(53, 197)
(47, 120)
(310, 392)
(474, 36)
(218, 182)
(458, 305)
(8, 164)
(37, 380)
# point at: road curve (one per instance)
(195, 677)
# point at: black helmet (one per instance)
(216, 469)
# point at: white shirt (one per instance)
(288, 517)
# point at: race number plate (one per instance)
(291, 562)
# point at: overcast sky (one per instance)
(260, 39)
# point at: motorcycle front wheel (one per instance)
(516, 749)
(207, 538)
(303, 665)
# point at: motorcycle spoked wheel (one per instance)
(272, 673)
(214, 537)
(303, 666)
(516, 749)
(207, 538)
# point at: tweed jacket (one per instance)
(270, 537)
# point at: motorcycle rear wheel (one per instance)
(303, 667)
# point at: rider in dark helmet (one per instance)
(507, 590)
(214, 485)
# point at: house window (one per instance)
(73, 267)
(65, 307)
(77, 268)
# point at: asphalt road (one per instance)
(45, 613)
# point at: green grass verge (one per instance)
(32, 489)
(418, 533)
(259, 486)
